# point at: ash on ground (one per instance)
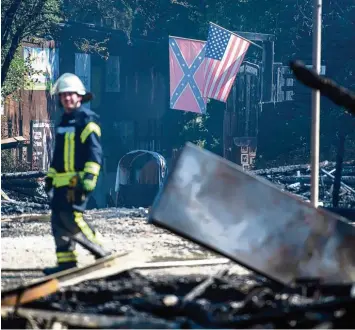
(30, 245)
(229, 301)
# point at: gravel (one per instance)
(28, 244)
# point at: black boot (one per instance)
(95, 249)
(97, 257)
(62, 266)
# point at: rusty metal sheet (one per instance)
(215, 203)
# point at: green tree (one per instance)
(19, 76)
(22, 19)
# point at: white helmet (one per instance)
(69, 82)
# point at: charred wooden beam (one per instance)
(23, 183)
(327, 87)
(29, 193)
(339, 168)
(13, 142)
(348, 168)
(341, 183)
(23, 175)
(199, 289)
(281, 169)
(26, 204)
(307, 178)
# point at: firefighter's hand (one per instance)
(89, 182)
(48, 184)
(74, 189)
(48, 187)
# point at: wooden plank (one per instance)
(42, 287)
(20, 139)
(23, 175)
(184, 263)
(152, 265)
(13, 140)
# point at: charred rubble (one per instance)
(225, 300)
(221, 301)
(297, 180)
(24, 193)
(27, 195)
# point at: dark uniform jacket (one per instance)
(77, 151)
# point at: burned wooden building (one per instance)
(130, 89)
(130, 83)
(254, 86)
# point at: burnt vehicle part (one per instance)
(213, 202)
(140, 175)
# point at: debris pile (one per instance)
(26, 190)
(297, 180)
(131, 300)
(23, 192)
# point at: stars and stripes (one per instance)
(187, 59)
(225, 52)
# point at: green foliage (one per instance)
(31, 18)
(20, 76)
(25, 19)
(204, 130)
(117, 12)
(92, 46)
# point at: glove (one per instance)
(48, 187)
(89, 182)
(75, 190)
(79, 188)
(48, 184)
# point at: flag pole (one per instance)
(316, 59)
(186, 38)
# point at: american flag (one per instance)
(225, 52)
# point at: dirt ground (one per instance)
(28, 244)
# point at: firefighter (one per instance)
(73, 174)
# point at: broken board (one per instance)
(213, 202)
(103, 267)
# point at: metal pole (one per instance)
(316, 59)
